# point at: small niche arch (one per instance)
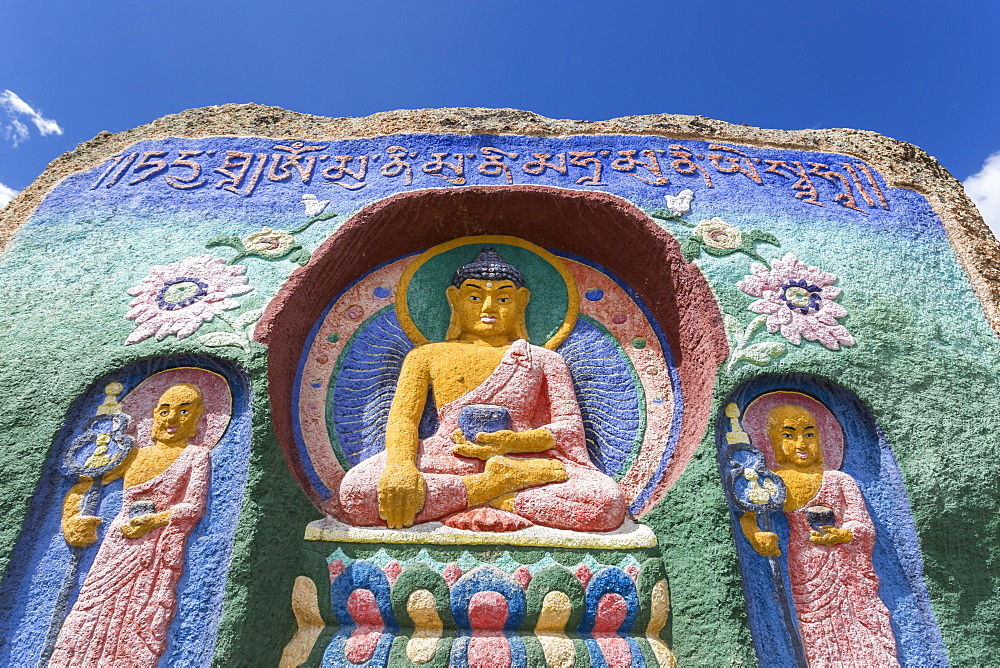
(855, 449)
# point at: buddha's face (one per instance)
(176, 415)
(488, 309)
(794, 436)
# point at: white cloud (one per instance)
(983, 188)
(6, 195)
(15, 130)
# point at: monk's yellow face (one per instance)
(488, 309)
(176, 415)
(794, 436)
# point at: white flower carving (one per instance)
(717, 233)
(314, 207)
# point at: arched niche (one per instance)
(602, 228)
(33, 614)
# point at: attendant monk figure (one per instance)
(125, 606)
(537, 471)
(842, 620)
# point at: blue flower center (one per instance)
(801, 296)
(181, 292)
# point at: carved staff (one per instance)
(107, 426)
(751, 487)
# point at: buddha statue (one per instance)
(126, 604)
(841, 619)
(530, 466)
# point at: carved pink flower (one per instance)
(799, 301)
(177, 298)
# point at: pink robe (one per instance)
(842, 620)
(535, 386)
(126, 604)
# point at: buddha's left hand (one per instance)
(832, 536)
(137, 527)
(496, 443)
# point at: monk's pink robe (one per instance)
(842, 620)
(535, 386)
(126, 604)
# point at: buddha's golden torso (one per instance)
(458, 367)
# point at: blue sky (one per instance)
(918, 71)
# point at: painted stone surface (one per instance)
(694, 265)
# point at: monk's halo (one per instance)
(217, 399)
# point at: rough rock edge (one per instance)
(902, 165)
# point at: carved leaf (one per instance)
(763, 237)
(752, 327)
(734, 328)
(225, 240)
(220, 339)
(326, 215)
(762, 353)
(247, 318)
(691, 248)
(300, 256)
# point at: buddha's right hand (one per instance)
(80, 530)
(401, 492)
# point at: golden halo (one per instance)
(573, 295)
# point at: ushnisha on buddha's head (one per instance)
(794, 437)
(177, 414)
(488, 300)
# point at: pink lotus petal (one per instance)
(764, 306)
(187, 329)
(758, 305)
(843, 336)
(164, 330)
(826, 318)
(783, 316)
(793, 330)
(830, 292)
(833, 308)
(194, 310)
(752, 285)
(146, 315)
(139, 334)
(222, 282)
